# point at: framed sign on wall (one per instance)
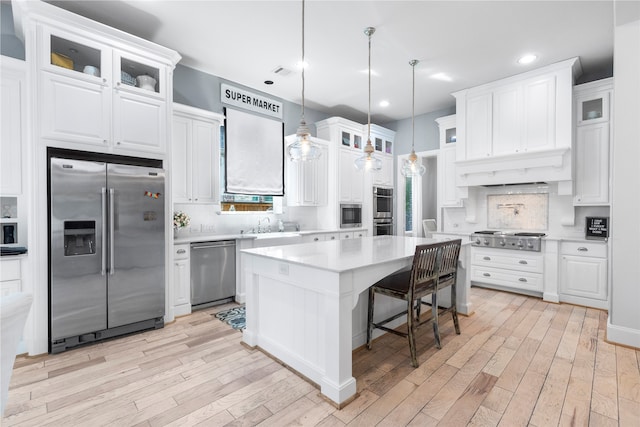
(597, 227)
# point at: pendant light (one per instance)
(412, 166)
(303, 149)
(369, 162)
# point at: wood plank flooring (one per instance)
(518, 362)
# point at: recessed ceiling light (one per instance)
(384, 103)
(527, 59)
(442, 76)
(268, 82)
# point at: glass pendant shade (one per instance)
(303, 149)
(368, 161)
(412, 166)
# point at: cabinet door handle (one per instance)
(333, 237)
(181, 251)
(523, 262)
(315, 239)
(522, 279)
(582, 249)
(486, 258)
(346, 237)
(486, 274)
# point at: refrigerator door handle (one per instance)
(112, 268)
(103, 269)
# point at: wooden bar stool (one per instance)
(447, 278)
(410, 286)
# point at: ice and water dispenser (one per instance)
(79, 238)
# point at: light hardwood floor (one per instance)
(519, 361)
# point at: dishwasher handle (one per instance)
(208, 245)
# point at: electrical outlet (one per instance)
(283, 269)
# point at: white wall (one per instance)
(624, 316)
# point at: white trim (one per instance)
(622, 335)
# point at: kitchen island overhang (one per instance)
(302, 303)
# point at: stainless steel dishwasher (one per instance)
(213, 273)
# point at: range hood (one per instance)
(545, 166)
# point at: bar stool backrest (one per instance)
(425, 268)
(449, 260)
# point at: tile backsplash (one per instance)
(518, 211)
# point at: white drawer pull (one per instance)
(582, 249)
(522, 279)
(486, 274)
(523, 262)
(181, 251)
(486, 258)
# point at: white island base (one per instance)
(304, 307)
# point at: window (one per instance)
(408, 204)
(239, 202)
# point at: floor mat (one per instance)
(234, 317)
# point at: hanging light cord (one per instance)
(369, 107)
(413, 104)
(302, 118)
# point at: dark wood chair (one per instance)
(411, 286)
(448, 275)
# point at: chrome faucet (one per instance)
(261, 229)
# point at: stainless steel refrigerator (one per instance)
(107, 250)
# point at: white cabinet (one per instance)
(181, 280)
(583, 273)
(306, 182)
(350, 179)
(12, 145)
(90, 98)
(10, 276)
(195, 155)
(518, 129)
(592, 144)
(508, 269)
(448, 193)
(384, 177)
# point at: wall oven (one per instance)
(350, 215)
(383, 227)
(382, 202)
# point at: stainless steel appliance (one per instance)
(107, 249)
(213, 273)
(383, 227)
(350, 215)
(524, 241)
(382, 202)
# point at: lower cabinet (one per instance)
(10, 283)
(583, 274)
(181, 280)
(508, 269)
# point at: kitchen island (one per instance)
(306, 304)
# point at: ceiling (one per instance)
(469, 42)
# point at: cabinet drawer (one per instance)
(508, 278)
(181, 252)
(517, 262)
(598, 250)
(10, 270)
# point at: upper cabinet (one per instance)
(306, 182)
(195, 156)
(12, 143)
(101, 89)
(382, 140)
(517, 129)
(592, 144)
(346, 133)
(448, 192)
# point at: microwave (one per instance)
(350, 215)
(382, 202)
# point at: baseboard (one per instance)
(623, 335)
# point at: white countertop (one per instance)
(346, 254)
(187, 237)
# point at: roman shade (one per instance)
(254, 154)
